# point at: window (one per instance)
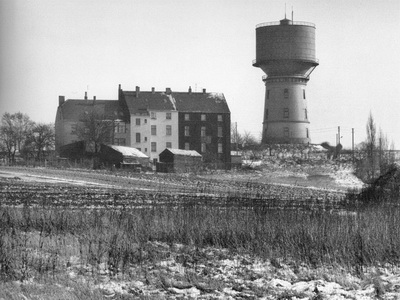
(168, 116)
(203, 117)
(145, 149)
(304, 94)
(120, 127)
(187, 133)
(267, 94)
(119, 142)
(140, 149)
(219, 118)
(153, 130)
(153, 115)
(153, 147)
(137, 121)
(307, 134)
(286, 113)
(203, 147)
(286, 131)
(305, 114)
(203, 131)
(168, 129)
(219, 147)
(137, 137)
(219, 131)
(145, 138)
(187, 117)
(168, 145)
(286, 93)
(187, 146)
(145, 121)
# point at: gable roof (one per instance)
(72, 109)
(183, 152)
(128, 151)
(178, 101)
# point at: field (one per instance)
(75, 234)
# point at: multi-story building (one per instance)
(70, 115)
(183, 120)
(152, 121)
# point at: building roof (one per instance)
(72, 109)
(178, 101)
(128, 151)
(183, 152)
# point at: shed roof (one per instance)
(128, 151)
(72, 109)
(183, 152)
(179, 101)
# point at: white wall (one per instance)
(161, 138)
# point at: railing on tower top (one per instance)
(292, 57)
(290, 23)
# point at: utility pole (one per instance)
(352, 142)
(338, 134)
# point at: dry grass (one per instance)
(37, 241)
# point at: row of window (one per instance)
(203, 132)
(286, 113)
(286, 93)
(203, 117)
(153, 115)
(168, 131)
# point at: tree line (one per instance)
(19, 134)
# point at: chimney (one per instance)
(168, 91)
(204, 91)
(85, 95)
(61, 100)
(190, 90)
(152, 90)
(119, 87)
(137, 91)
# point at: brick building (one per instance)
(152, 121)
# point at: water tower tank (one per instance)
(285, 51)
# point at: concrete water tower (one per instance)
(285, 51)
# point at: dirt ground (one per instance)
(186, 272)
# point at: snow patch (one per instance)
(172, 100)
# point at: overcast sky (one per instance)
(59, 47)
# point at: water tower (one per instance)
(285, 51)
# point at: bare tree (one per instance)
(95, 129)
(14, 130)
(371, 146)
(41, 138)
(236, 137)
(249, 139)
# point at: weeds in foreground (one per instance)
(41, 240)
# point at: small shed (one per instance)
(177, 160)
(123, 157)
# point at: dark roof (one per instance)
(73, 109)
(180, 101)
